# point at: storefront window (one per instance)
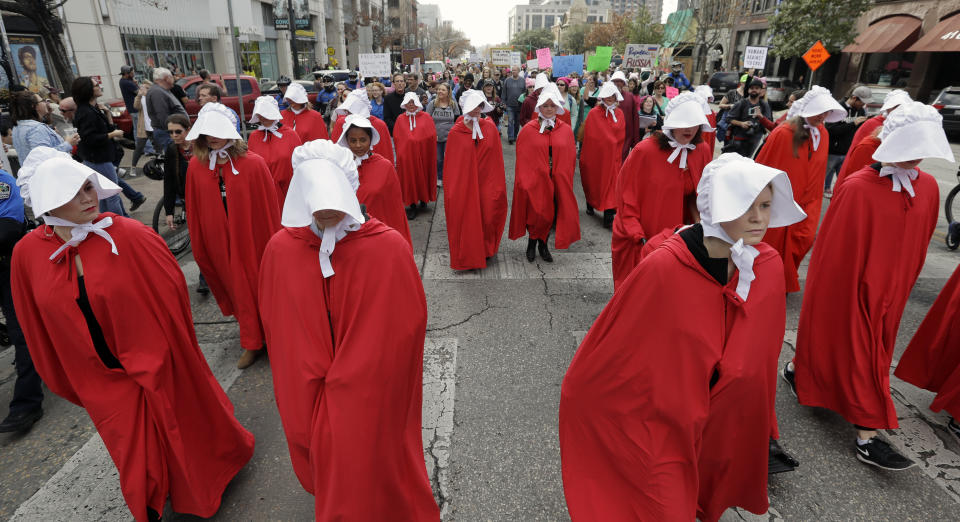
(888, 69)
(306, 54)
(260, 59)
(183, 56)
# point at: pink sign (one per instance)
(543, 58)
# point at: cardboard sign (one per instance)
(407, 56)
(816, 55)
(516, 59)
(476, 58)
(755, 57)
(543, 58)
(532, 64)
(637, 56)
(374, 65)
(500, 57)
(565, 65)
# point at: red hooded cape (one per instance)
(277, 153)
(380, 192)
(635, 410)
(864, 130)
(806, 174)
(528, 108)
(384, 147)
(653, 195)
(474, 194)
(631, 123)
(346, 354)
(165, 420)
(541, 195)
(309, 124)
(416, 158)
(868, 255)
(860, 155)
(600, 157)
(227, 244)
(932, 360)
(710, 138)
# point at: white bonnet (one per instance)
(686, 110)
(216, 120)
(817, 100)
(357, 102)
(296, 93)
(267, 107)
(411, 96)
(358, 120)
(913, 131)
(731, 183)
(471, 98)
(894, 98)
(541, 81)
(49, 179)
(324, 178)
(609, 89)
(550, 92)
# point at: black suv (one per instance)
(723, 81)
(948, 103)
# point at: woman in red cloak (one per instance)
(709, 137)
(379, 188)
(273, 142)
(543, 195)
(106, 314)
(233, 213)
(799, 148)
(600, 155)
(932, 361)
(675, 424)
(307, 122)
(416, 142)
(358, 102)
(346, 347)
(475, 190)
(869, 253)
(656, 188)
(865, 140)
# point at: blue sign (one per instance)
(564, 65)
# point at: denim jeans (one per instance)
(834, 162)
(441, 150)
(27, 390)
(129, 191)
(161, 138)
(512, 130)
(113, 203)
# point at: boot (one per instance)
(412, 212)
(608, 218)
(531, 249)
(202, 287)
(589, 210)
(544, 253)
(248, 358)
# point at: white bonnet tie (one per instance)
(328, 243)
(611, 111)
(78, 233)
(547, 122)
(359, 159)
(680, 150)
(814, 134)
(742, 256)
(222, 153)
(273, 129)
(412, 116)
(901, 178)
(477, 133)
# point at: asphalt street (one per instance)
(498, 343)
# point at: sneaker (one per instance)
(881, 454)
(138, 203)
(789, 376)
(439, 183)
(122, 173)
(20, 422)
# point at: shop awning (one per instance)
(890, 35)
(945, 37)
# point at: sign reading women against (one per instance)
(543, 58)
(374, 65)
(755, 57)
(637, 56)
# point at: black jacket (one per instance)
(392, 109)
(93, 127)
(841, 132)
(174, 177)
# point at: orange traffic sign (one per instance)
(816, 55)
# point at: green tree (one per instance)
(573, 39)
(798, 24)
(533, 39)
(643, 29)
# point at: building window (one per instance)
(536, 22)
(888, 69)
(548, 21)
(183, 56)
(259, 59)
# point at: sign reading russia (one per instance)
(816, 55)
(639, 55)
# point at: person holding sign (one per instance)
(600, 155)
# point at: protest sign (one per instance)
(374, 65)
(637, 56)
(564, 65)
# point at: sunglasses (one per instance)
(177, 132)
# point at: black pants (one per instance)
(27, 392)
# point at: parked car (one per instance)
(271, 89)
(948, 104)
(876, 99)
(722, 82)
(778, 91)
(228, 87)
(339, 75)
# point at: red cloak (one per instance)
(528, 109)
(932, 360)
(416, 158)
(861, 155)
(277, 153)
(806, 174)
(600, 157)
(631, 123)
(228, 243)
(542, 196)
(710, 138)
(653, 195)
(380, 192)
(864, 130)
(346, 354)
(868, 255)
(165, 420)
(309, 124)
(384, 147)
(635, 410)
(474, 194)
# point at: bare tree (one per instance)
(445, 42)
(43, 13)
(710, 18)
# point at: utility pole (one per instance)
(292, 25)
(234, 42)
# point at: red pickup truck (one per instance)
(228, 87)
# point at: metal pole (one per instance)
(236, 60)
(8, 56)
(293, 39)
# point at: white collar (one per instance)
(901, 178)
(359, 159)
(330, 236)
(477, 133)
(273, 129)
(611, 111)
(742, 256)
(78, 233)
(547, 122)
(814, 133)
(222, 153)
(295, 111)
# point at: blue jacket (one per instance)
(681, 81)
(28, 134)
(11, 204)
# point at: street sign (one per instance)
(375, 65)
(500, 57)
(816, 55)
(637, 56)
(756, 57)
(331, 51)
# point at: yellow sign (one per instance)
(331, 51)
(305, 33)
